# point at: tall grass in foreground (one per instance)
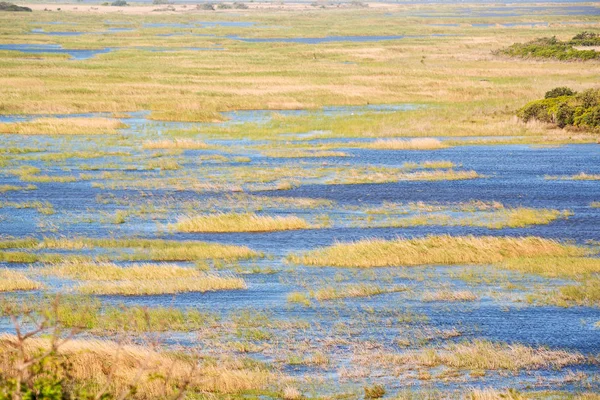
(64, 126)
(412, 144)
(233, 222)
(11, 281)
(434, 250)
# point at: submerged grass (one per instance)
(432, 250)
(353, 290)
(186, 144)
(449, 295)
(233, 222)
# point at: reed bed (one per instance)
(233, 222)
(412, 144)
(64, 126)
(297, 153)
(184, 144)
(11, 281)
(203, 283)
(434, 250)
(89, 362)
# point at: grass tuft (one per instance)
(233, 222)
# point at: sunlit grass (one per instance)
(412, 144)
(8, 188)
(89, 359)
(64, 126)
(82, 270)
(582, 176)
(434, 250)
(11, 281)
(203, 283)
(233, 222)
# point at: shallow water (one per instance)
(514, 176)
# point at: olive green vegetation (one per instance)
(551, 47)
(586, 38)
(564, 107)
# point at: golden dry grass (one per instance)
(64, 126)
(203, 283)
(186, 144)
(92, 271)
(233, 222)
(93, 360)
(412, 144)
(434, 250)
(11, 281)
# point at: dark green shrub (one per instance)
(240, 6)
(119, 3)
(206, 6)
(559, 91)
(586, 38)
(5, 6)
(549, 48)
(223, 6)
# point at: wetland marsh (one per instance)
(298, 200)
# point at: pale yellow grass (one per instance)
(233, 222)
(203, 283)
(434, 250)
(186, 144)
(412, 144)
(64, 126)
(93, 271)
(93, 360)
(11, 281)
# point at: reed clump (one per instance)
(64, 126)
(233, 222)
(434, 250)
(11, 281)
(554, 267)
(204, 283)
(99, 271)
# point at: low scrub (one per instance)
(549, 48)
(581, 110)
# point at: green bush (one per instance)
(119, 3)
(559, 91)
(577, 109)
(549, 48)
(5, 6)
(586, 38)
